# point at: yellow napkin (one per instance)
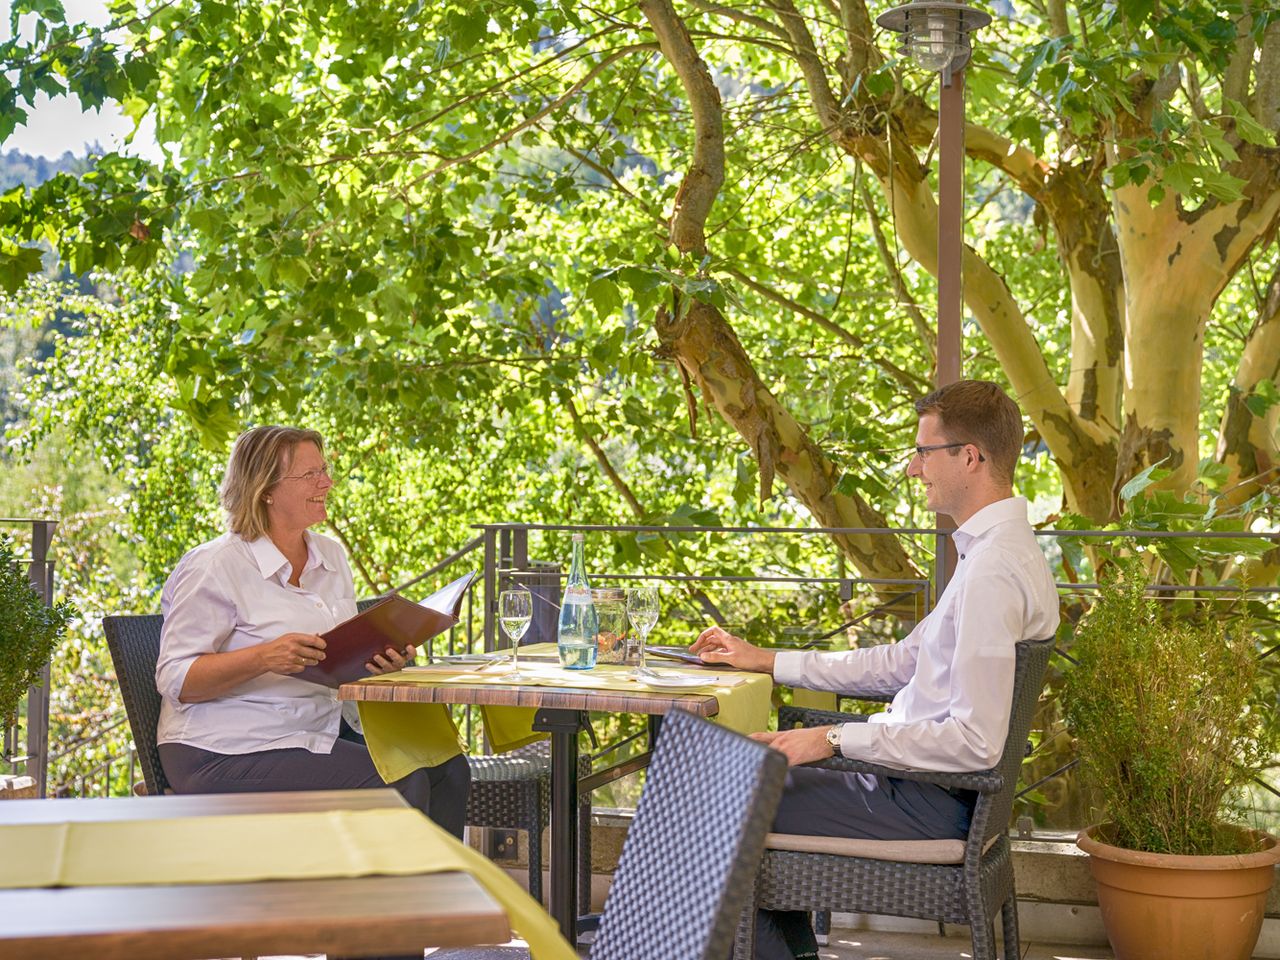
(401, 739)
(813, 699)
(246, 848)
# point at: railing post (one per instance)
(41, 576)
(490, 588)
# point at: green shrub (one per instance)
(29, 630)
(1168, 718)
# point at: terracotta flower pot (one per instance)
(1163, 907)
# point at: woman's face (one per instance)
(297, 500)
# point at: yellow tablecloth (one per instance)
(246, 848)
(403, 737)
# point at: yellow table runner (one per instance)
(403, 737)
(252, 847)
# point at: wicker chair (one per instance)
(955, 881)
(733, 784)
(135, 647)
(511, 791)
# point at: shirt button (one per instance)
(962, 556)
(320, 604)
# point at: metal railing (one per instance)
(26, 741)
(505, 554)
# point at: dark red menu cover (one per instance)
(392, 622)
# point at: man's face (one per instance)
(941, 471)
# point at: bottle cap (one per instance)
(579, 537)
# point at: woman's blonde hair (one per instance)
(259, 459)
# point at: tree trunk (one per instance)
(708, 350)
(1247, 443)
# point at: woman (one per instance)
(242, 613)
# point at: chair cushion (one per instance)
(901, 851)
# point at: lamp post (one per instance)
(935, 34)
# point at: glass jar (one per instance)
(611, 612)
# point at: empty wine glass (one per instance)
(642, 611)
(515, 610)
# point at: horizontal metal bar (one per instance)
(616, 772)
(447, 561)
(925, 531)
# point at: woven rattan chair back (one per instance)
(1028, 679)
(134, 642)
(694, 846)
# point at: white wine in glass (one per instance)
(642, 611)
(515, 610)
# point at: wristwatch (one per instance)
(833, 738)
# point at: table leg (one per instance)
(563, 725)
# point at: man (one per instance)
(953, 672)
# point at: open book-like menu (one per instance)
(391, 622)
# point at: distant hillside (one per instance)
(17, 167)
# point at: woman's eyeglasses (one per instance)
(312, 476)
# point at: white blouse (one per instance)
(229, 594)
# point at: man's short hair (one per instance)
(259, 459)
(979, 412)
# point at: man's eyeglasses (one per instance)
(312, 476)
(923, 452)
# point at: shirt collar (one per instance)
(270, 560)
(1011, 508)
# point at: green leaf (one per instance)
(604, 296)
(1140, 482)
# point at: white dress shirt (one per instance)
(954, 671)
(229, 594)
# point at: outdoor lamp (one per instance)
(935, 33)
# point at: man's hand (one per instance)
(291, 653)
(391, 661)
(717, 645)
(804, 745)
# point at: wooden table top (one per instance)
(531, 695)
(79, 810)
(354, 915)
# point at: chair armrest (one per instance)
(983, 781)
(789, 717)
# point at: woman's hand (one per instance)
(391, 661)
(291, 653)
(717, 645)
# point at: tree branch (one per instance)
(721, 10)
(927, 336)
(555, 104)
(1247, 443)
(1266, 99)
(705, 175)
(806, 54)
(907, 380)
(1235, 83)
(698, 595)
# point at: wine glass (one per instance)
(642, 611)
(515, 609)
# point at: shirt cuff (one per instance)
(788, 667)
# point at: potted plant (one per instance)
(29, 631)
(1170, 723)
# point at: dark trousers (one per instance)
(440, 792)
(826, 803)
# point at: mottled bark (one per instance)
(699, 339)
(1247, 444)
(704, 344)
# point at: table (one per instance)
(350, 916)
(560, 712)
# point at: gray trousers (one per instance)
(827, 803)
(440, 792)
